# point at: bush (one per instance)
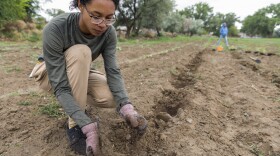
(19, 30)
(34, 37)
(17, 25)
(233, 31)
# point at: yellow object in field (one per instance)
(219, 48)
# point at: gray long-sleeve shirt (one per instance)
(63, 32)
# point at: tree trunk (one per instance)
(127, 35)
(158, 31)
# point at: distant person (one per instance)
(223, 34)
(71, 42)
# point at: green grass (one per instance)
(24, 103)
(52, 110)
(265, 45)
(12, 69)
(179, 38)
(255, 150)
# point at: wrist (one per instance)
(89, 128)
(123, 104)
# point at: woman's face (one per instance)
(97, 9)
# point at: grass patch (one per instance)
(12, 69)
(255, 150)
(257, 44)
(34, 37)
(277, 100)
(24, 103)
(12, 94)
(35, 94)
(164, 39)
(52, 110)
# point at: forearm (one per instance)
(72, 109)
(116, 85)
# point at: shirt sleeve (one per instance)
(56, 68)
(113, 73)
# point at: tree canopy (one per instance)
(18, 10)
(263, 21)
(12, 10)
(160, 15)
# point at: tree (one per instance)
(192, 26)
(262, 22)
(128, 13)
(198, 11)
(187, 12)
(202, 11)
(174, 22)
(230, 19)
(12, 10)
(54, 12)
(258, 24)
(135, 13)
(233, 31)
(216, 20)
(31, 9)
(159, 10)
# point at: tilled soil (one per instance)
(197, 102)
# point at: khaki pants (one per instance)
(88, 86)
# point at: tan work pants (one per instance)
(87, 85)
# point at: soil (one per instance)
(197, 102)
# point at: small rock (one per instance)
(161, 123)
(128, 137)
(246, 114)
(189, 120)
(13, 110)
(164, 116)
(181, 113)
(24, 132)
(162, 137)
(12, 128)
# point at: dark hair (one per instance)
(74, 3)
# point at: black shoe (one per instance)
(77, 139)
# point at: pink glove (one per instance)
(92, 141)
(133, 118)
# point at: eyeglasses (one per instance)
(98, 20)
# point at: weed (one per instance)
(34, 37)
(12, 94)
(122, 40)
(277, 99)
(255, 150)
(24, 103)
(35, 94)
(52, 109)
(12, 69)
(174, 71)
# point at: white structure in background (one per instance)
(121, 31)
(276, 31)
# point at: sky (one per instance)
(241, 8)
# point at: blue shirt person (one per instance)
(223, 34)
